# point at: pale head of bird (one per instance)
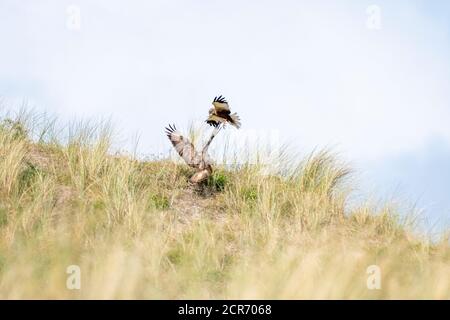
(212, 110)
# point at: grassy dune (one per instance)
(137, 229)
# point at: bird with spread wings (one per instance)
(195, 159)
(220, 113)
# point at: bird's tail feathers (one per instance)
(236, 121)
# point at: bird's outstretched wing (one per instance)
(221, 105)
(215, 121)
(206, 146)
(183, 146)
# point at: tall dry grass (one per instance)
(138, 230)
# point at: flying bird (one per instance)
(197, 160)
(220, 113)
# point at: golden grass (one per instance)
(138, 230)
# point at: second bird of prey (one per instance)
(220, 113)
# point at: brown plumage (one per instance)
(220, 113)
(197, 160)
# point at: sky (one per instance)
(371, 79)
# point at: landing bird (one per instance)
(199, 161)
(220, 113)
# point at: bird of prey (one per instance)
(220, 113)
(197, 160)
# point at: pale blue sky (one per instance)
(313, 69)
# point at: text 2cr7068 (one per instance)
(246, 309)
